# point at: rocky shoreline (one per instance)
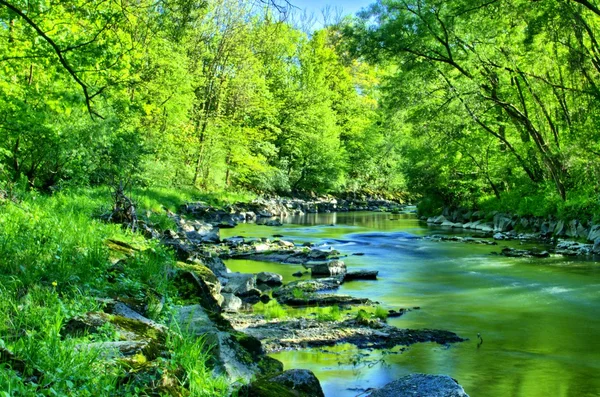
(217, 305)
(199, 247)
(572, 238)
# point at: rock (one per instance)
(515, 253)
(137, 333)
(264, 214)
(301, 381)
(594, 233)
(560, 229)
(317, 254)
(484, 227)
(421, 385)
(297, 274)
(269, 278)
(335, 267)
(596, 248)
(231, 303)
(273, 222)
(240, 283)
(112, 350)
(394, 313)
(302, 333)
(573, 248)
(499, 236)
(198, 283)
(291, 383)
(502, 223)
(438, 220)
(361, 275)
(236, 356)
(198, 232)
(264, 298)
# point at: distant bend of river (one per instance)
(539, 318)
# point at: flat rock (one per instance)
(420, 385)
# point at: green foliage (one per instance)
(193, 355)
(271, 310)
(488, 99)
(56, 263)
(380, 313)
(331, 313)
(363, 317)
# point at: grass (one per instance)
(54, 264)
(271, 310)
(331, 313)
(380, 313)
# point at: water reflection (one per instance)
(540, 318)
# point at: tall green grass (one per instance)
(54, 264)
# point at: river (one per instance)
(539, 318)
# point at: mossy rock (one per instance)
(250, 343)
(203, 288)
(291, 383)
(201, 271)
(270, 366)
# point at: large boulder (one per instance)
(240, 284)
(421, 385)
(231, 303)
(594, 233)
(332, 268)
(236, 356)
(291, 383)
(198, 283)
(502, 223)
(596, 248)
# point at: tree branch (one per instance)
(66, 65)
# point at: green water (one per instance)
(539, 318)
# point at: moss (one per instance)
(270, 366)
(250, 343)
(141, 331)
(200, 270)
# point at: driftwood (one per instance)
(123, 211)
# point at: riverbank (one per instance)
(112, 298)
(570, 238)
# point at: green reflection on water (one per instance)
(540, 318)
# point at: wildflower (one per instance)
(54, 283)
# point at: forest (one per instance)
(459, 102)
(490, 105)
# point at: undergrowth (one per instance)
(55, 264)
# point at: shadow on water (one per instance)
(540, 318)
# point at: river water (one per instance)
(539, 318)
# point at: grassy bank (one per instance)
(57, 260)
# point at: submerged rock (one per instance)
(361, 275)
(515, 253)
(422, 386)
